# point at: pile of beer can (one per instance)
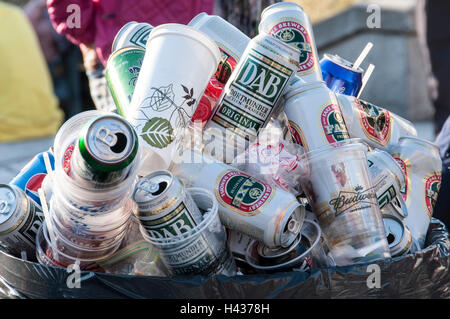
(232, 155)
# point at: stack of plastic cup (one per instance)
(86, 222)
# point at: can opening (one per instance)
(161, 188)
(3, 207)
(121, 143)
(390, 238)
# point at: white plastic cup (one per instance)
(177, 66)
(337, 183)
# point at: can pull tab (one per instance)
(148, 186)
(106, 136)
(293, 226)
(4, 207)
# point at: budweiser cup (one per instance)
(177, 67)
(376, 126)
(338, 186)
(422, 166)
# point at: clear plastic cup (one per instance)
(337, 183)
(201, 250)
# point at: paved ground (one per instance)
(14, 156)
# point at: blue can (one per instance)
(31, 176)
(340, 75)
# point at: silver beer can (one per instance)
(315, 118)
(19, 221)
(398, 235)
(387, 176)
(290, 23)
(252, 92)
(132, 34)
(422, 165)
(248, 205)
(376, 126)
(164, 208)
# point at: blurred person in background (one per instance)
(64, 61)
(28, 107)
(433, 21)
(100, 20)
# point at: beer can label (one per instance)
(432, 187)
(248, 104)
(405, 165)
(140, 37)
(226, 66)
(242, 193)
(174, 223)
(296, 35)
(297, 134)
(333, 123)
(376, 122)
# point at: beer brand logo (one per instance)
(67, 156)
(375, 122)
(354, 200)
(243, 193)
(432, 187)
(226, 66)
(404, 167)
(296, 35)
(140, 37)
(297, 134)
(32, 186)
(333, 124)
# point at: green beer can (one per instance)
(122, 70)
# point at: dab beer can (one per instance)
(248, 205)
(104, 153)
(19, 222)
(377, 126)
(132, 34)
(289, 23)
(340, 75)
(314, 116)
(422, 165)
(122, 71)
(253, 90)
(387, 176)
(165, 209)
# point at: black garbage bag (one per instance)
(424, 274)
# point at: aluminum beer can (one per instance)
(397, 234)
(238, 243)
(246, 204)
(230, 40)
(102, 156)
(377, 126)
(340, 75)
(32, 175)
(19, 222)
(254, 88)
(164, 208)
(422, 165)
(387, 176)
(122, 71)
(132, 34)
(289, 23)
(315, 118)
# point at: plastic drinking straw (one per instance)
(366, 77)
(48, 221)
(363, 55)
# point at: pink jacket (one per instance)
(100, 20)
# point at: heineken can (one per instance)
(19, 221)
(264, 212)
(289, 23)
(302, 255)
(122, 71)
(132, 34)
(422, 165)
(230, 40)
(315, 118)
(398, 235)
(377, 126)
(202, 249)
(104, 153)
(252, 92)
(386, 174)
(164, 208)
